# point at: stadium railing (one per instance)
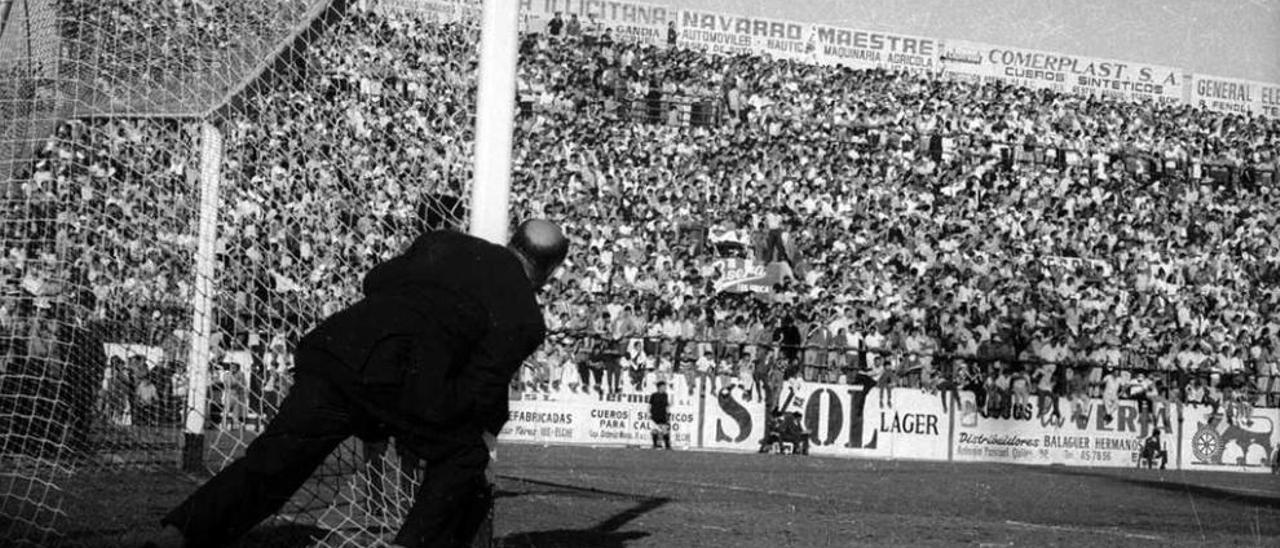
(828, 362)
(706, 111)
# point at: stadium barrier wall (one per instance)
(1208, 443)
(1029, 437)
(587, 419)
(849, 421)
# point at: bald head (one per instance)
(541, 246)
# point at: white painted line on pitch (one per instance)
(743, 489)
(1082, 530)
(806, 496)
(1243, 490)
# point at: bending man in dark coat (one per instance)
(426, 356)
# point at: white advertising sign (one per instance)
(587, 419)
(1247, 444)
(845, 420)
(627, 21)
(1234, 96)
(1074, 74)
(733, 420)
(735, 34)
(1027, 438)
(870, 49)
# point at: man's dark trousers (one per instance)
(313, 420)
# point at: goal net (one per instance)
(187, 187)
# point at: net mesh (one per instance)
(339, 131)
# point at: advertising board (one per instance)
(1233, 96)
(736, 34)
(1210, 442)
(627, 21)
(1074, 74)
(1029, 438)
(590, 419)
(863, 49)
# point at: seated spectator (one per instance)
(792, 431)
(772, 432)
(1154, 448)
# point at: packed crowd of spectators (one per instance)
(907, 219)
(1035, 225)
(167, 55)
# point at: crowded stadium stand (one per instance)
(738, 221)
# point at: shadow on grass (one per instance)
(1216, 493)
(285, 535)
(288, 535)
(603, 535)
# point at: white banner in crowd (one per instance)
(588, 419)
(1235, 96)
(1073, 74)
(628, 21)
(964, 60)
(1209, 442)
(439, 10)
(861, 49)
(1027, 438)
(735, 34)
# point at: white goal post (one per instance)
(211, 147)
(495, 111)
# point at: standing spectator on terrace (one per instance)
(147, 396)
(970, 378)
(947, 383)
(706, 369)
(736, 338)
(555, 26)
(672, 35)
(1213, 393)
(788, 339)
(995, 397)
(119, 387)
(574, 28)
(1110, 394)
(235, 396)
(1242, 407)
(816, 340)
(597, 361)
(1020, 388)
(746, 376)
(274, 389)
(776, 379)
(613, 358)
(636, 364)
(557, 365)
(1195, 392)
(1140, 390)
(1045, 379)
(580, 354)
(872, 344)
(884, 375)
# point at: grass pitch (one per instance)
(597, 497)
